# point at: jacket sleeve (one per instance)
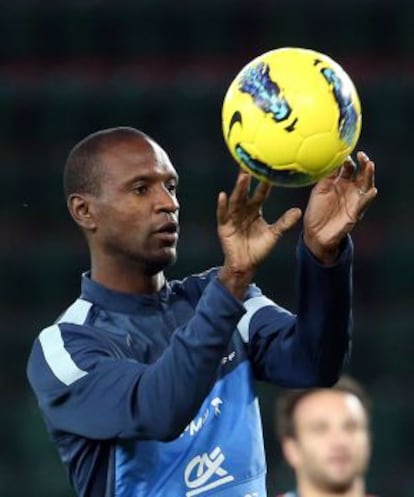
(311, 347)
(98, 396)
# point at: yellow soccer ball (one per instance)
(291, 116)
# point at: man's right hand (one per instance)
(246, 238)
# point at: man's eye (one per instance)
(319, 428)
(172, 188)
(140, 189)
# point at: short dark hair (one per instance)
(83, 165)
(288, 400)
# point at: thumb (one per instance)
(286, 222)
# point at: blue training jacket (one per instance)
(153, 395)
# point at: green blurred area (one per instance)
(70, 68)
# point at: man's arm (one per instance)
(83, 389)
(310, 348)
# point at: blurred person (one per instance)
(325, 438)
(146, 385)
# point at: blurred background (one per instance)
(69, 68)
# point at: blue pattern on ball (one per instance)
(256, 82)
(348, 117)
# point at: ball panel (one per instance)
(317, 152)
(277, 146)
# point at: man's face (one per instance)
(136, 210)
(332, 444)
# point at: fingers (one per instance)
(222, 204)
(261, 193)
(363, 175)
(241, 189)
(240, 193)
(286, 222)
(366, 175)
(365, 199)
(365, 181)
(333, 174)
(348, 169)
(238, 200)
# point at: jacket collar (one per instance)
(114, 300)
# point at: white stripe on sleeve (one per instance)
(57, 357)
(76, 313)
(51, 341)
(252, 306)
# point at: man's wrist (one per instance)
(325, 255)
(236, 282)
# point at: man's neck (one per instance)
(129, 279)
(309, 489)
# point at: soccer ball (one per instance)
(291, 116)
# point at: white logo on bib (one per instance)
(205, 472)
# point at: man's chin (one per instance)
(160, 263)
(338, 485)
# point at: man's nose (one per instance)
(341, 437)
(166, 201)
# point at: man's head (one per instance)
(120, 188)
(325, 435)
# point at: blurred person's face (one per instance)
(331, 449)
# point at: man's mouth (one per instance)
(167, 231)
(340, 459)
(168, 227)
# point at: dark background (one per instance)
(68, 68)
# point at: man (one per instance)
(325, 438)
(146, 385)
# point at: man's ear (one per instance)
(291, 452)
(80, 206)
